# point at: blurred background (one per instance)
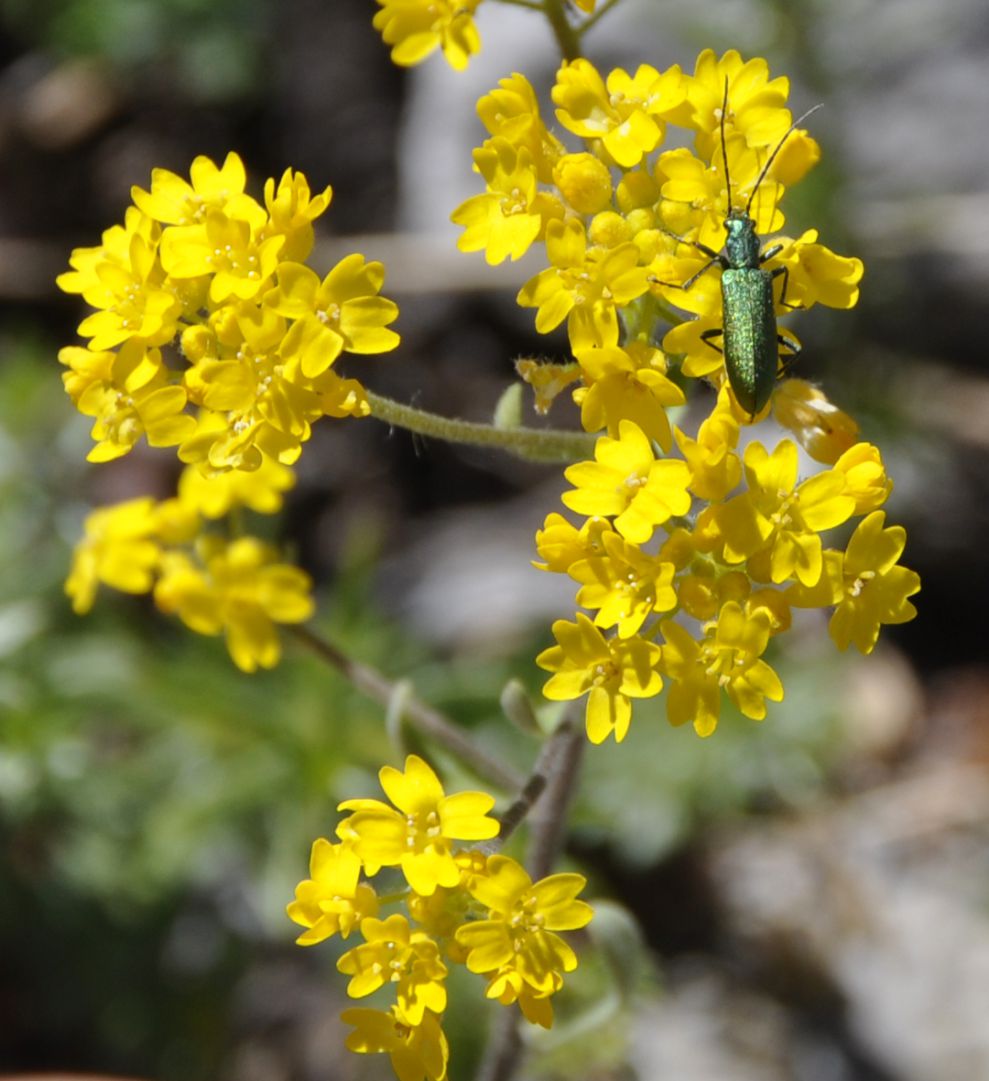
(812, 894)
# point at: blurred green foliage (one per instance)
(212, 48)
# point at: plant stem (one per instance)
(592, 19)
(549, 815)
(430, 722)
(566, 35)
(557, 766)
(535, 785)
(532, 5)
(532, 444)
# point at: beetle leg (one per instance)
(785, 272)
(788, 359)
(716, 258)
(713, 332)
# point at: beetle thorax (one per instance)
(742, 243)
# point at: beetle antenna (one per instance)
(779, 146)
(724, 145)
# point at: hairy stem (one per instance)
(426, 720)
(533, 444)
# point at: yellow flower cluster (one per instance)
(462, 906)
(209, 332)
(692, 551)
(237, 587)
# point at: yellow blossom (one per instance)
(715, 468)
(816, 274)
(512, 213)
(292, 209)
(866, 584)
(418, 1052)
(523, 918)
(333, 900)
(756, 103)
(584, 181)
(611, 671)
(511, 111)
(226, 248)
(414, 28)
(418, 836)
(627, 482)
(866, 480)
(626, 113)
(238, 589)
(625, 584)
(562, 544)
(132, 399)
(780, 519)
(627, 383)
(174, 201)
(215, 495)
(821, 428)
(728, 657)
(127, 288)
(119, 548)
(584, 286)
(393, 953)
(341, 312)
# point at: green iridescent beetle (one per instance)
(750, 339)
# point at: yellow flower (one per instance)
(547, 380)
(816, 274)
(611, 671)
(821, 428)
(418, 836)
(625, 584)
(715, 468)
(756, 103)
(562, 544)
(418, 1052)
(174, 201)
(126, 284)
(628, 483)
(780, 519)
(866, 583)
(394, 953)
(584, 286)
(333, 900)
(507, 986)
(441, 912)
(511, 111)
(414, 28)
(225, 247)
(584, 181)
(728, 657)
(341, 312)
(504, 221)
(240, 590)
(215, 495)
(627, 113)
(129, 395)
(119, 548)
(627, 383)
(291, 211)
(866, 480)
(700, 186)
(523, 918)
